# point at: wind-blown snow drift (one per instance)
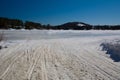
(113, 49)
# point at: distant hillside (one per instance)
(7, 23)
(75, 26)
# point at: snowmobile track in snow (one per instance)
(56, 59)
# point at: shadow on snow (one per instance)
(113, 50)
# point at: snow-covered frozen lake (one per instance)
(60, 55)
(53, 34)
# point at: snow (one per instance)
(112, 48)
(59, 55)
(80, 24)
(54, 34)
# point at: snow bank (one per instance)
(112, 48)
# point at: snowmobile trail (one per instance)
(57, 59)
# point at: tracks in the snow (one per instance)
(55, 60)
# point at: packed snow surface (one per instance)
(58, 55)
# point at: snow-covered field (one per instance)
(59, 55)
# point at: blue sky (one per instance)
(61, 11)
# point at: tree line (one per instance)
(7, 23)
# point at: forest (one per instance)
(7, 23)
